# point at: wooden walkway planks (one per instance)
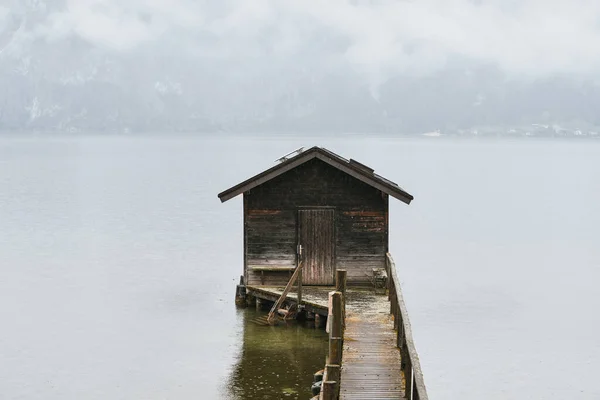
(371, 360)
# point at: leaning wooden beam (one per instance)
(279, 302)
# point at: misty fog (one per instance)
(385, 66)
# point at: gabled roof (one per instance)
(350, 167)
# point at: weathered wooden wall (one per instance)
(270, 213)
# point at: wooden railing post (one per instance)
(300, 286)
(335, 329)
(336, 304)
(335, 349)
(408, 379)
(340, 286)
(388, 283)
(328, 390)
(340, 281)
(299, 265)
(332, 374)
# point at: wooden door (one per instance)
(316, 235)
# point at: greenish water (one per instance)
(276, 362)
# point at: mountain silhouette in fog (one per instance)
(99, 66)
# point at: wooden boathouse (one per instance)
(322, 221)
(336, 209)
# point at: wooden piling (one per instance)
(328, 390)
(336, 323)
(407, 372)
(319, 321)
(250, 300)
(340, 281)
(340, 286)
(300, 285)
(332, 374)
(240, 296)
(335, 329)
(335, 350)
(299, 265)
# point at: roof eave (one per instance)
(263, 177)
(314, 152)
(394, 191)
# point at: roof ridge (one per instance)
(355, 169)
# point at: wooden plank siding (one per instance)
(271, 221)
(316, 234)
(270, 241)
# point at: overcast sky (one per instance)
(290, 42)
(528, 37)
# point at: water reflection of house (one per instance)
(276, 362)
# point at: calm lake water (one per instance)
(118, 266)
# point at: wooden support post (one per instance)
(340, 280)
(388, 283)
(299, 265)
(328, 390)
(414, 394)
(240, 296)
(407, 372)
(400, 335)
(300, 285)
(333, 375)
(335, 329)
(336, 305)
(250, 300)
(340, 286)
(409, 383)
(335, 350)
(259, 304)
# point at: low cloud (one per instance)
(386, 37)
(378, 39)
(4, 11)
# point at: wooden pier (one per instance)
(371, 361)
(378, 357)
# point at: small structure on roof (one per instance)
(332, 210)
